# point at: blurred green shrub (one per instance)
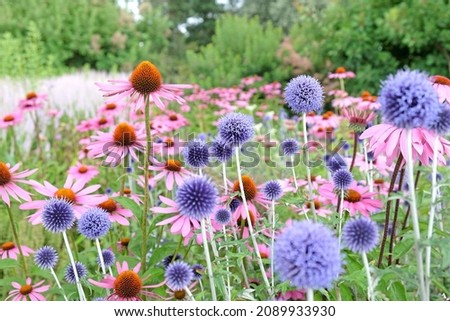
(240, 47)
(375, 37)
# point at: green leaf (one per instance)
(396, 291)
(160, 253)
(8, 263)
(128, 203)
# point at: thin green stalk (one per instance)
(250, 225)
(370, 292)
(308, 170)
(148, 134)
(17, 240)
(208, 262)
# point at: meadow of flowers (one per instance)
(131, 189)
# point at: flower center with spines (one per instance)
(82, 169)
(66, 194)
(179, 295)
(169, 142)
(5, 174)
(109, 205)
(124, 241)
(173, 165)
(31, 95)
(8, 246)
(124, 134)
(340, 70)
(249, 185)
(102, 121)
(127, 284)
(441, 80)
(173, 117)
(111, 106)
(126, 191)
(8, 118)
(352, 196)
(146, 78)
(378, 181)
(316, 204)
(26, 289)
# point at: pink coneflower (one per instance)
(358, 119)
(291, 295)
(173, 121)
(95, 123)
(128, 193)
(181, 224)
(9, 250)
(378, 163)
(32, 101)
(169, 146)
(11, 119)
(8, 183)
(116, 211)
(172, 171)
(125, 139)
(28, 291)
(357, 199)
(316, 181)
(127, 285)
(253, 196)
(442, 86)
(341, 73)
(368, 102)
(319, 205)
(73, 191)
(111, 109)
(83, 172)
(145, 80)
(391, 141)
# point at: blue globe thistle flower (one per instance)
(289, 147)
(221, 151)
(94, 223)
(307, 254)
(235, 129)
(360, 235)
(202, 136)
(335, 163)
(196, 197)
(234, 204)
(196, 154)
(178, 275)
(408, 99)
(346, 146)
(46, 257)
(69, 276)
(108, 258)
(99, 299)
(441, 124)
(58, 215)
(197, 270)
(304, 94)
(342, 179)
(169, 259)
(272, 190)
(223, 216)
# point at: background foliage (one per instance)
(194, 40)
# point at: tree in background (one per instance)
(375, 37)
(240, 47)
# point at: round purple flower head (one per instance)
(408, 99)
(360, 235)
(108, 258)
(307, 254)
(169, 259)
(234, 204)
(196, 198)
(235, 129)
(198, 270)
(196, 154)
(272, 190)
(94, 223)
(221, 151)
(223, 216)
(342, 179)
(289, 147)
(69, 276)
(58, 215)
(178, 275)
(304, 94)
(441, 124)
(46, 257)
